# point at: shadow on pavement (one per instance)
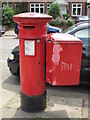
(12, 80)
(46, 114)
(67, 96)
(76, 96)
(71, 89)
(12, 83)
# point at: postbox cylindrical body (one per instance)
(32, 36)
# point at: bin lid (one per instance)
(31, 16)
(62, 37)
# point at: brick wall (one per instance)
(84, 8)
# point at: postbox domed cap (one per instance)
(31, 16)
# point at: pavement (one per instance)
(62, 102)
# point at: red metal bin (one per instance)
(63, 60)
(32, 36)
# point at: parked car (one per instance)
(81, 19)
(13, 61)
(2, 30)
(16, 29)
(79, 30)
(50, 29)
(82, 30)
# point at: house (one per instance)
(77, 7)
(40, 6)
(73, 7)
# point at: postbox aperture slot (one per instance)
(29, 27)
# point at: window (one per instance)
(39, 8)
(84, 36)
(63, 10)
(16, 6)
(10, 5)
(3, 5)
(76, 9)
(83, 33)
(48, 6)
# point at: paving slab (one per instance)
(62, 102)
(9, 33)
(7, 96)
(57, 107)
(8, 112)
(14, 103)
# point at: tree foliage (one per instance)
(66, 16)
(54, 10)
(7, 12)
(7, 15)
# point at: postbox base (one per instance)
(33, 103)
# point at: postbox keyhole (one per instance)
(38, 41)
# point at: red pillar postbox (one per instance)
(32, 36)
(64, 53)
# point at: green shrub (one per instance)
(54, 10)
(66, 16)
(58, 22)
(55, 22)
(64, 24)
(70, 22)
(7, 15)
